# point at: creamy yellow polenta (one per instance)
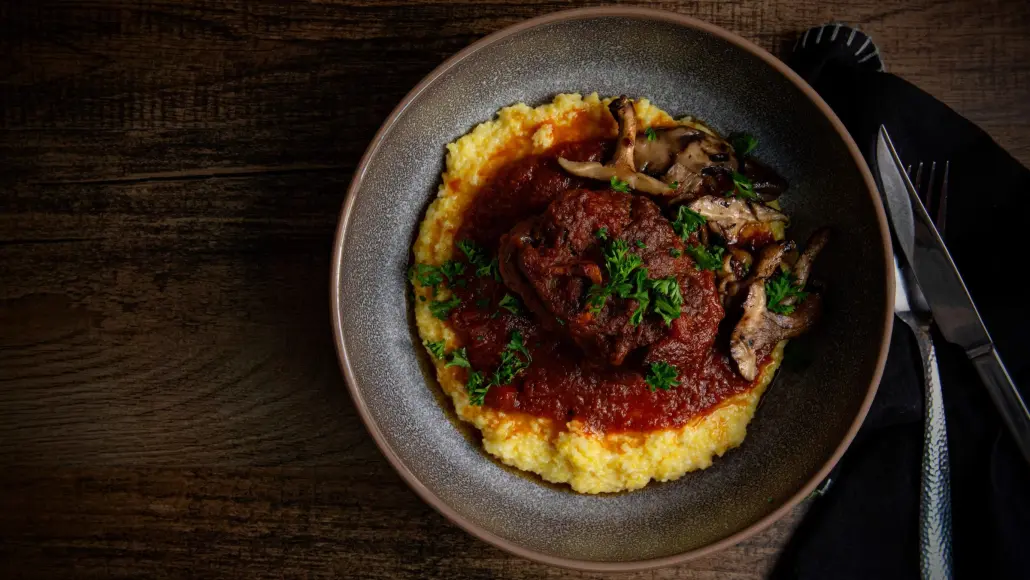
(589, 462)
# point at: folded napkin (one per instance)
(866, 522)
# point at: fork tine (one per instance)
(942, 200)
(929, 199)
(918, 181)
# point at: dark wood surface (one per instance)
(170, 177)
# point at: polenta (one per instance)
(569, 289)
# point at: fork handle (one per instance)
(935, 496)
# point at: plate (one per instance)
(808, 416)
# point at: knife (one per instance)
(938, 278)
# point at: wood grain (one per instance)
(170, 178)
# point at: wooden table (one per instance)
(171, 173)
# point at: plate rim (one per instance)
(427, 495)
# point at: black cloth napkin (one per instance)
(865, 524)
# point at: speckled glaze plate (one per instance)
(807, 418)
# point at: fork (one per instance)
(911, 307)
(936, 205)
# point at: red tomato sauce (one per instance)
(560, 383)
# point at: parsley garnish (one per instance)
(602, 234)
(651, 135)
(640, 244)
(452, 269)
(442, 308)
(515, 358)
(668, 300)
(661, 375)
(477, 256)
(687, 221)
(476, 387)
(674, 185)
(425, 275)
(742, 187)
(705, 259)
(675, 252)
(435, 348)
(620, 263)
(483, 302)
(511, 363)
(779, 288)
(743, 144)
(628, 279)
(510, 303)
(459, 358)
(618, 185)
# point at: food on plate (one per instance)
(606, 291)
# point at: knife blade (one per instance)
(953, 309)
(924, 250)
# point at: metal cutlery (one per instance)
(953, 310)
(935, 489)
(936, 204)
(910, 306)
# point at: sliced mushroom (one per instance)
(677, 160)
(735, 267)
(638, 181)
(803, 267)
(730, 217)
(766, 183)
(759, 328)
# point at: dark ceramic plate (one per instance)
(684, 66)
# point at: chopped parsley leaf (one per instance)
(705, 259)
(436, 348)
(511, 304)
(640, 293)
(619, 185)
(602, 234)
(743, 143)
(477, 256)
(511, 363)
(620, 263)
(459, 358)
(668, 300)
(483, 302)
(640, 244)
(674, 185)
(687, 222)
(425, 275)
(651, 135)
(675, 252)
(778, 289)
(452, 269)
(477, 387)
(628, 279)
(661, 375)
(442, 308)
(742, 188)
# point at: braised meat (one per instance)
(607, 270)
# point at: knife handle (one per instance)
(935, 561)
(1006, 397)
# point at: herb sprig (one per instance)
(661, 375)
(515, 358)
(687, 222)
(743, 143)
(628, 279)
(742, 188)
(486, 267)
(619, 185)
(778, 289)
(705, 258)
